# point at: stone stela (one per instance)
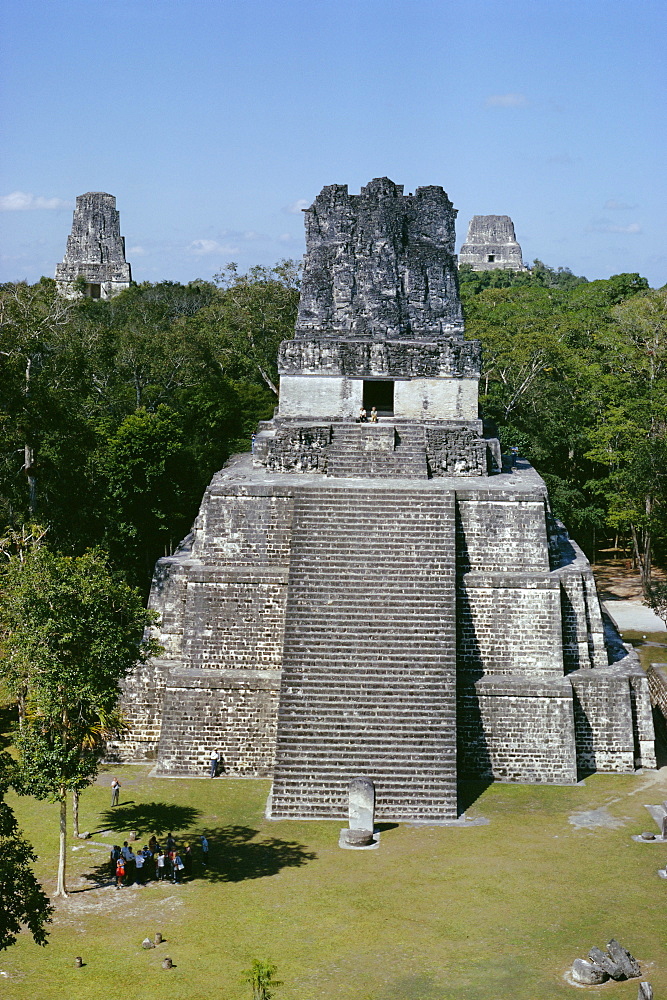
(361, 812)
(95, 250)
(377, 594)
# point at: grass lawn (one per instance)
(651, 646)
(489, 912)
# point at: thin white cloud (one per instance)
(297, 206)
(617, 206)
(201, 247)
(20, 201)
(285, 237)
(137, 251)
(602, 226)
(506, 101)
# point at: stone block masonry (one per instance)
(491, 245)
(95, 249)
(314, 629)
(369, 669)
(380, 264)
(379, 325)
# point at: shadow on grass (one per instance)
(146, 818)
(467, 792)
(234, 856)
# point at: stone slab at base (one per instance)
(462, 821)
(342, 842)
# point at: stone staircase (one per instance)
(369, 669)
(381, 450)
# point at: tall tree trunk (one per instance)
(646, 564)
(61, 888)
(29, 466)
(75, 812)
(642, 557)
(29, 451)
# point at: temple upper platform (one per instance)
(379, 337)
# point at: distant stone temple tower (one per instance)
(371, 592)
(491, 245)
(95, 249)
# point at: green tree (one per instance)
(260, 977)
(22, 899)
(74, 629)
(32, 318)
(151, 487)
(555, 357)
(254, 313)
(657, 600)
(630, 432)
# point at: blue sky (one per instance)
(214, 121)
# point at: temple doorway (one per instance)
(379, 394)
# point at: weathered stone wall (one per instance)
(330, 397)
(233, 711)
(642, 715)
(657, 682)
(516, 728)
(95, 248)
(379, 301)
(340, 398)
(509, 624)
(491, 244)
(528, 615)
(450, 357)
(379, 264)
(583, 635)
(536, 698)
(384, 449)
(222, 603)
(502, 531)
(234, 619)
(142, 705)
(603, 720)
(457, 450)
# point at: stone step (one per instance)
(395, 709)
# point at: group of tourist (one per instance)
(154, 862)
(363, 416)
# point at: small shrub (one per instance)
(260, 977)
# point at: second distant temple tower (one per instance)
(491, 245)
(95, 249)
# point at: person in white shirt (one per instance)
(215, 757)
(139, 862)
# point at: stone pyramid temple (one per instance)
(372, 592)
(95, 249)
(491, 245)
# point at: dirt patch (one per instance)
(615, 578)
(590, 819)
(130, 901)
